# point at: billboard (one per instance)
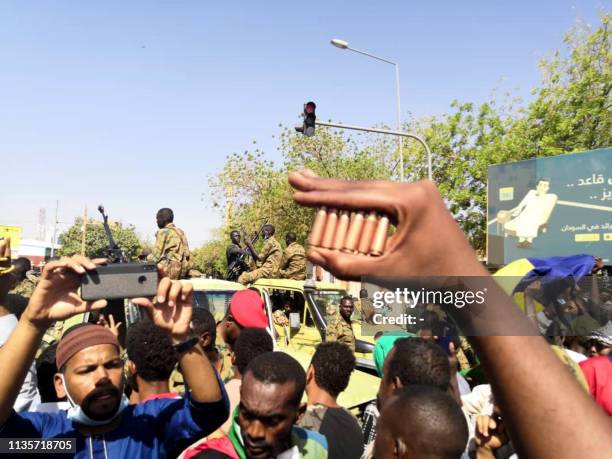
(558, 205)
(14, 232)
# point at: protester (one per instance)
(327, 376)
(263, 425)
(204, 326)
(599, 343)
(91, 374)
(151, 361)
(251, 343)
(598, 373)
(246, 310)
(421, 422)
(27, 396)
(340, 327)
(499, 332)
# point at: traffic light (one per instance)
(308, 126)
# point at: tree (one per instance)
(210, 259)
(253, 190)
(571, 111)
(96, 241)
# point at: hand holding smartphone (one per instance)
(120, 280)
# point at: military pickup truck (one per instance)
(307, 325)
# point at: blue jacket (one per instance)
(147, 430)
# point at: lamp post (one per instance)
(341, 44)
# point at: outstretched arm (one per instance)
(531, 384)
(55, 298)
(171, 311)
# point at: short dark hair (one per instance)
(347, 297)
(272, 228)
(203, 321)
(279, 368)
(419, 361)
(166, 214)
(22, 266)
(151, 351)
(251, 343)
(291, 236)
(45, 371)
(333, 363)
(430, 420)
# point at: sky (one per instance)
(135, 104)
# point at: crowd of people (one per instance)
(182, 385)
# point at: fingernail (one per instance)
(80, 270)
(161, 298)
(171, 303)
(184, 297)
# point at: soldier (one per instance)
(365, 306)
(293, 263)
(268, 260)
(235, 255)
(171, 249)
(25, 277)
(25, 283)
(340, 327)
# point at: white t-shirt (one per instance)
(28, 397)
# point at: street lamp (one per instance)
(342, 44)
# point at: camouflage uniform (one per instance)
(340, 330)
(365, 309)
(51, 336)
(293, 263)
(172, 252)
(26, 287)
(313, 417)
(271, 255)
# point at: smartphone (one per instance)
(120, 280)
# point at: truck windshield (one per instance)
(217, 302)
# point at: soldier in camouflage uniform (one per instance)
(293, 263)
(340, 327)
(171, 248)
(268, 260)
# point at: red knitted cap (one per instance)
(81, 338)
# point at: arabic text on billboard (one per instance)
(559, 205)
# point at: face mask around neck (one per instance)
(77, 415)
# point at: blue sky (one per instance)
(134, 104)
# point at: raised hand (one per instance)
(110, 324)
(427, 242)
(171, 309)
(56, 297)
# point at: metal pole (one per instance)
(54, 230)
(399, 124)
(84, 235)
(383, 131)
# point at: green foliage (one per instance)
(570, 112)
(96, 241)
(253, 190)
(210, 259)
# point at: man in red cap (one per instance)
(91, 374)
(246, 310)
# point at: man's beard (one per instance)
(107, 390)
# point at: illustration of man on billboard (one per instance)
(531, 215)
